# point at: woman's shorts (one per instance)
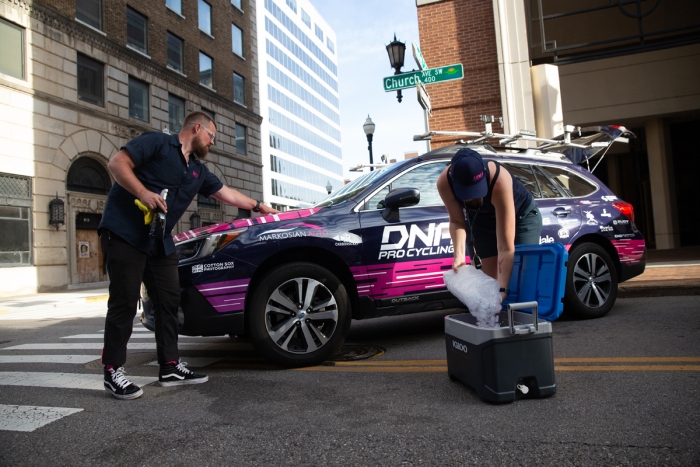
(528, 228)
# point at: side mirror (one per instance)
(399, 198)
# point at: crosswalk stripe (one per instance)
(29, 417)
(79, 359)
(140, 335)
(132, 346)
(63, 380)
(102, 336)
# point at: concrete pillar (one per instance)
(546, 98)
(663, 195)
(513, 65)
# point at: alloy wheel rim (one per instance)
(301, 315)
(592, 280)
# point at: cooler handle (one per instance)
(521, 306)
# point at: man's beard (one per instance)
(200, 150)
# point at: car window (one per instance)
(547, 186)
(572, 183)
(352, 188)
(424, 178)
(523, 173)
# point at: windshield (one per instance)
(351, 189)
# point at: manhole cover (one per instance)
(132, 360)
(352, 352)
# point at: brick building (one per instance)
(541, 64)
(78, 79)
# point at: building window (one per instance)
(89, 12)
(90, 80)
(205, 17)
(237, 40)
(292, 4)
(207, 202)
(15, 222)
(319, 32)
(12, 52)
(176, 113)
(175, 5)
(86, 175)
(138, 99)
(330, 45)
(306, 18)
(210, 113)
(206, 70)
(136, 31)
(237, 4)
(238, 89)
(176, 57)
(241, 147)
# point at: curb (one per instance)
(658, 289)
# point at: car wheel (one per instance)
(299, 315)
(591, 282)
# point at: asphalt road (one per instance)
(627, 394)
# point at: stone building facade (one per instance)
(78, 79)
(541, 64)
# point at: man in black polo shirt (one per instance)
(133, 252)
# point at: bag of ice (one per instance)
(478, 292)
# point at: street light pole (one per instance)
(369, 131)
(396, 50)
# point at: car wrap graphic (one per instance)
(237, 224)
(405, 278)
(296, 230)
(629, 251)
(225, 296)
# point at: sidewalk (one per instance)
(668, 273)
(84, 303)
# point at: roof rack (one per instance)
(586, 142)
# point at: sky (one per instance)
(363, 28)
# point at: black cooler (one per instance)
(506, 363)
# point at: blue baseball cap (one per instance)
(468, 175)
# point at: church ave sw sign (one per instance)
(430, 76)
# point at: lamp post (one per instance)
(329, 187)
(396, 50)
(369, 131)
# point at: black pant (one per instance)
(127, 267)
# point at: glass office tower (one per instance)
(299, 103)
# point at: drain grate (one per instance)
(354, 352)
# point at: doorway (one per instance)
(89, 261)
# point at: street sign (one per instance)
(418, 56)
(423, 98)
(429, 76)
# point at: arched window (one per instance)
(86, 175)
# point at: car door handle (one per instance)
(561, 212)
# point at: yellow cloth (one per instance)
(147, 213)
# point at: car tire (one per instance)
(591, 282)
(299, 315)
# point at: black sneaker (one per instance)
(119, 386)
(175, 375)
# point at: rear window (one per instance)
(523, 173)
(571, 184)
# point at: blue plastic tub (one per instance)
(539, 274)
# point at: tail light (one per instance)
(625, 208)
